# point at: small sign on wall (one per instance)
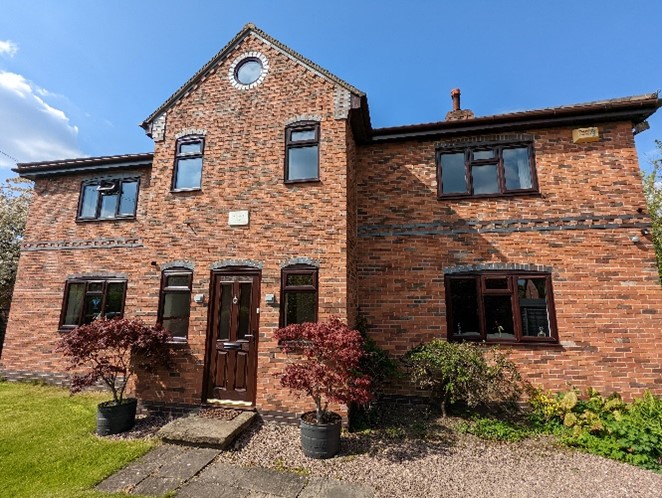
(585, 135)
(237, 218)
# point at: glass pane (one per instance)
(114, 299)
(74, 304)
(92, 309)
(533, 307)
(485, 179)
(108, 206)
(518, 172)
(189, 173)
(89, 203)
(94, 287)
(302, 163)
(128, 198)
(299, 279)
(299, 307)
(190, 148)
(225, 313)
(483, 154)
(176, 305)
(464, 307)
(453, 173)
(298, 135)
(178, 281)
(249, 72)
(499, 317)
(178, 327)
(244, 311)
(496, 283)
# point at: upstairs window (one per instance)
(298, 295)
(500, 307)
(302, 152)
(108, 199)
(175, 302)
(486, 171)
(87, 299)
(188, 164)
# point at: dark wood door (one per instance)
(232, 336)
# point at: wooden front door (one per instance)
(232, 336)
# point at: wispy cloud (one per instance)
(30, 128)
(8, 48)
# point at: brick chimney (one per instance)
(458, 113)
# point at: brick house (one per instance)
(269, 199)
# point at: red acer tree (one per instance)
(325, 363)
(112, 350)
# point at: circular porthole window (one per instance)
(248, 70)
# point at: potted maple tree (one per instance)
(324, 365)
(111, 351)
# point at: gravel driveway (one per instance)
(449, 465)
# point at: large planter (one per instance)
(320, 440)
(113, 418)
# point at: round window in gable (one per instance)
(248, 71)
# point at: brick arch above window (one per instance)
(478, 140)
(237, 262)
(300, 261)
(450, 270)
(303, 118)
(191, 131)
(188, 265)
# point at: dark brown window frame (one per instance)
(89, 280)
(170, 272)
(188, 139)
(299, 269)
(289, 144)
(99, 182)
(498, 161)
(511, 290)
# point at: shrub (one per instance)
(375, 362)
(112, 350)
(494, 430)
(464, 372)
(325, 364)
(604, 426)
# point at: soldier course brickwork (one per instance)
(372, 224)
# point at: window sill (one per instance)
(183, 190)
(95, 220)
(458, 197)
(304, 180)
(505, 342)
(178, 343)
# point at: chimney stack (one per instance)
(458, 113)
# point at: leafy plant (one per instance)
(628, 432)
(464, 372)
(325, 360)
(653, 193)
(112, 350)
(375, 362)
(494, 430)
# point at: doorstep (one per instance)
(195, 430)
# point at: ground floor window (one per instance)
(500, 307)
(175, 302)
(86, 299)
(298, 295)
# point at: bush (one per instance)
(325, 365)
(464, 372)
(494, 430)
(375, 362)
(112, 350)
(606, 426)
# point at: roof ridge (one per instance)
(221, 54)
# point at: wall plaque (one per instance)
(237, 218)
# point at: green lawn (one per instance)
(48, 447)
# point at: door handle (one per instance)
(231, 345)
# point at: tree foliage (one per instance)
(325, 361)
(653, 193)
(112, 350)
(15, 197)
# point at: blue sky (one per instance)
(76, 77)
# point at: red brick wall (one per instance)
(606, 289)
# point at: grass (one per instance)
(48, 447)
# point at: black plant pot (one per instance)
(320, 440)
(113, 418)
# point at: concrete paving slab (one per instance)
(328, 488)
(187, 463)
(199, 489)
(222, 473)
(205, 432)
(123, 480)
(272, 482)
(156, 486)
